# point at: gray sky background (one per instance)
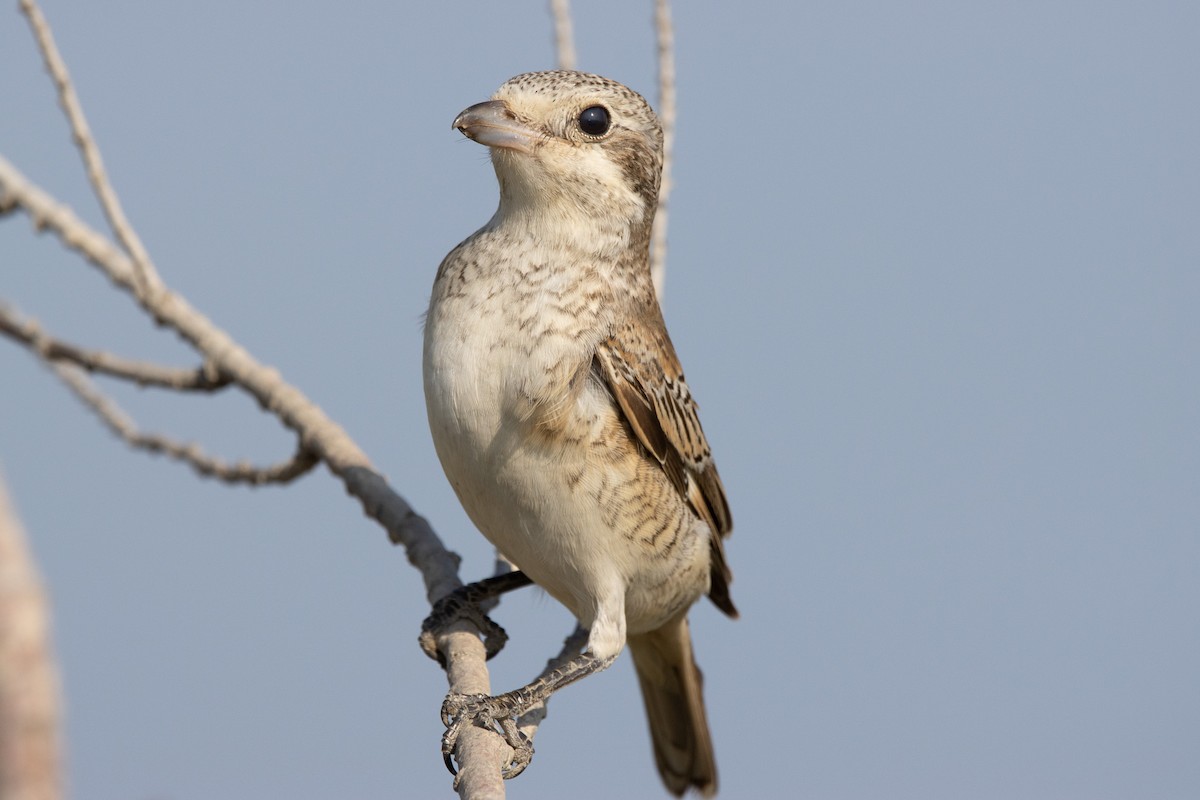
(935, 277)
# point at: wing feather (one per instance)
(640, 367)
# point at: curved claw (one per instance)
(453, 608)
(467, 603)
(521, 746)
(497, 713)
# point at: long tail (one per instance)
(672, 689)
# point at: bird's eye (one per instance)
(594, 121)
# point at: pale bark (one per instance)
(225, 363)
(30, 757)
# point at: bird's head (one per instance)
(572, 151)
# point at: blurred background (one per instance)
(934, 273)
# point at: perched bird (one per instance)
(558, 406)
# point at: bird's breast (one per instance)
(509, 340)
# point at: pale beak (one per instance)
(492, 124)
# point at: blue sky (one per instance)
(934, 273)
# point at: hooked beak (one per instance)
(494, 125)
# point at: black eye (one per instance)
(594, 121)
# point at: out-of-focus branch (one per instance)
(119, 423)
(564, 38)
(205, 378)
(29, 701)
(665, 34)
(145, 276)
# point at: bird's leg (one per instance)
(500, 712)
(465, 603)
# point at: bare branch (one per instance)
(480, 753)
(30, 758)
(205, 378)
(48, 214)
(564, 38)
(119, 423)
(319, 434)
(145, 276)
(666, 114)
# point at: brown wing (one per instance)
(641, 369)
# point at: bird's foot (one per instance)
(464, 603)
(451, 609)
(498, 713)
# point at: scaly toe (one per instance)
(496, 713)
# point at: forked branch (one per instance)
(129, 267)
(205, 378)
(119, 423)
(226, 363)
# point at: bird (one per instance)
(559, 410)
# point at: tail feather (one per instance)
(672, 690)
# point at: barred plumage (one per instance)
(557, 404)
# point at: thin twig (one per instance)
(146, 278)
(205, 378)
(318, 433)
(119, 423)
(666, 114)
(132, 271)
(564, 37)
